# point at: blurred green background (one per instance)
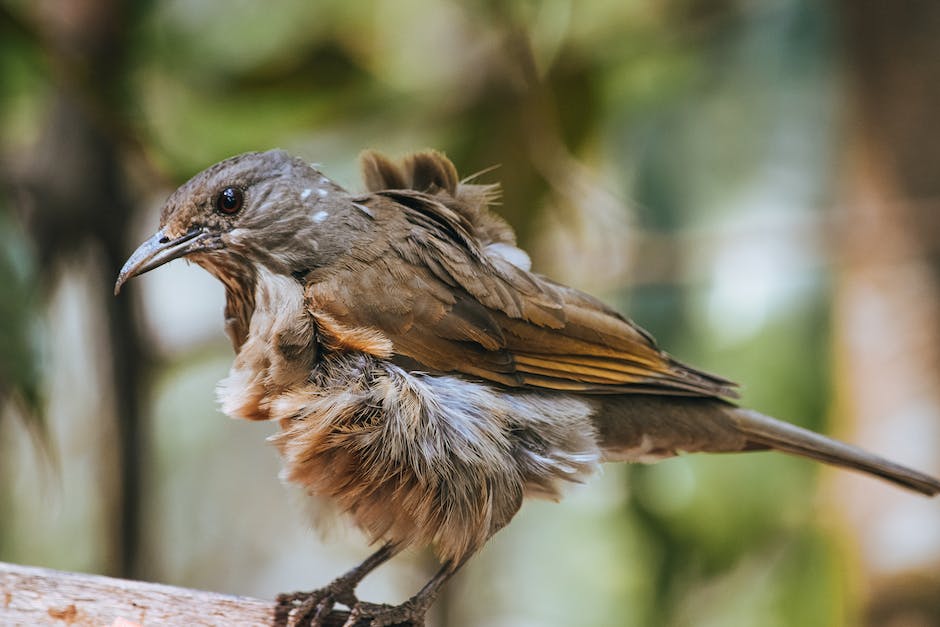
(754, 181)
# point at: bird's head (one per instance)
(256, 209)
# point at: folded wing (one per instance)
(451, 293)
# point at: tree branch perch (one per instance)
(41, 596)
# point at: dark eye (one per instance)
(229, 200)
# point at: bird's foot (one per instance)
(410, 613)
(312, 608)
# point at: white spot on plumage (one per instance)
(364, 209)
(647, 451)
(306, 194)
(323, 193)
(515, 256)
(320, 216)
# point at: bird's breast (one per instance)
(279, 351)
(415, 457)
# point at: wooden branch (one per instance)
(40, 596)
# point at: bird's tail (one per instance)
(765, 432)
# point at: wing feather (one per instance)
(449, 302)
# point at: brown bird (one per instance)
(422, 375)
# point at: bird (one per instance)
(423, 377)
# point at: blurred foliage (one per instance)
(19, 367)
(699, 112)
(19, 370)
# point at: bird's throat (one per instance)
(239, 306)
(240, 281)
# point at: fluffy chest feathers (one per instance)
(277, 354)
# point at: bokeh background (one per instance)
(755, 181)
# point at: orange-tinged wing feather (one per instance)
(448, 303)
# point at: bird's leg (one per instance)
(412, 611)
(314, 606)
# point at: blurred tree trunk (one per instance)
(77, 198)
(888, 298)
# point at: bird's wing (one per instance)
(432, 296)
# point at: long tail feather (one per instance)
(764, 431)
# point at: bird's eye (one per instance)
(229, 200)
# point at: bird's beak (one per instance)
(160, 249)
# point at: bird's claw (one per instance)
(410, 613)
(312, 608)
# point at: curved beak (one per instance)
(160, 249)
